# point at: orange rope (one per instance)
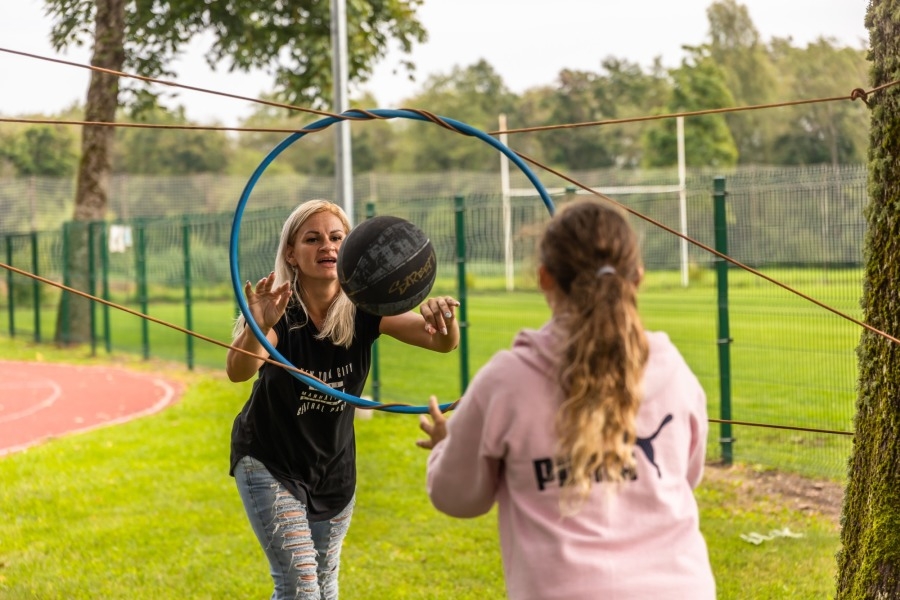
(265, 359)
(857, 93)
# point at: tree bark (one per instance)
(73, 323)
(869, 559)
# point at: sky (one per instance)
(528, 42)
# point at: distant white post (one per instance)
(507, 211)
(343, 162)
(682, 199)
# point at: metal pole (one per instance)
(188, 295)
(343, 162)
(724, 334)
(507, 211)
(376, 361)
(682, 199)
(35, 287)
(104, 262)
(9, 288)
(460, 210)
(140, 260)
(92, 285)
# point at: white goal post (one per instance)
(612, 192)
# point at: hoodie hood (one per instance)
(539, 348)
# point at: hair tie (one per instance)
(606, 270)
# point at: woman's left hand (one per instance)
(438, 312)
(436, 427)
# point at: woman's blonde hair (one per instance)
(592, 254)
(339, 321)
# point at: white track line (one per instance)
(168, 395)
(54, 396)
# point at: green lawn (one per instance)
(792, 363)
(147, 510)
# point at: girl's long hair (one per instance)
(339, 320)
(592, 253)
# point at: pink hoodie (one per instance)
(640, 540)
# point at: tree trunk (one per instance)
(73, 317)
(869, 560)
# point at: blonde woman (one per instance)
(589, 434)
(293, 450)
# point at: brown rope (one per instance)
(855, 94)
(709, 249)
(265, 359)
(166, 82)
(790, 427)
(294, 369)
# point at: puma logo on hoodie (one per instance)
(544, 470)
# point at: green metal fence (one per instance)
(790, 362)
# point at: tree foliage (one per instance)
(292, 39)
(734, 67)
(735, 46)
(829, 132)
(145, 151)
(620, 90)
(475, 95)
(43, 150)
(699, 84)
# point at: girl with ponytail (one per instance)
(589, 434)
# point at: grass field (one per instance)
(792, 363)
(146, 510)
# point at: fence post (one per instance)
(724, 333)
(9, 288)
(104, 280)
(460, 209)
(140, 259)
(35, 287)
(92, 286)
(62, 320)
(376, 364)
(188, 298)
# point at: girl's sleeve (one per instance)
(699, 431)
(462, 479)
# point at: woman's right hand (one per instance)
(266, 304)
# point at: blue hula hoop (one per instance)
(251, 183)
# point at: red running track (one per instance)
(41, 401)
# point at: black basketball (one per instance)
(386, 265)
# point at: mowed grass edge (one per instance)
(147, 510)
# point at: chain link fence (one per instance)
(165, 250)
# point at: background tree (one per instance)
(145, 151)
(698, 84)
(825, 132)
(291, 39)
(620, 90)
(578, 99)
(475, 95)
(869, 559)
(45, 150)
(735, 46)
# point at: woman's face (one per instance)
(315, 246)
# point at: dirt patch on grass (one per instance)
(811, 496)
